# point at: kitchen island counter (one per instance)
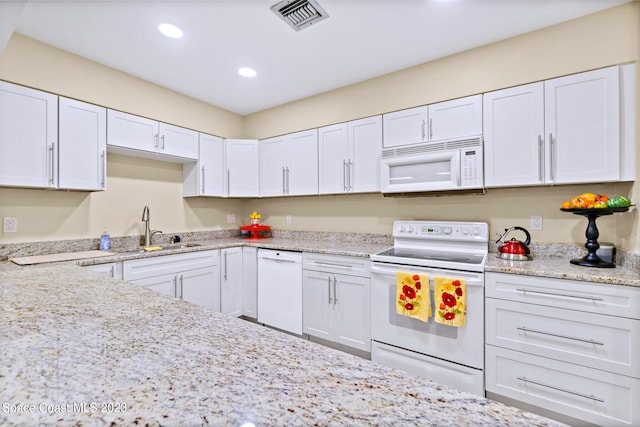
(82, 349)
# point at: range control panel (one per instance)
(437, 230)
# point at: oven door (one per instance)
(461, 345)
(421, 172)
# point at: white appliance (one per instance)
(436, 166)
(280, 289)
(448, 355)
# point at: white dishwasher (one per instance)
(280, 289)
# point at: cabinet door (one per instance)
(231, 281)
(514, 136)
(404, 127)
(164, 283)
(363, 163)
(82, 145)
(201, 286)
(250, 282)
(333, 152)
(317, 305)
(351, 300)
(28, 137)
(302, 165)
(206, 176)
(273, 158)
(242, 167)
(582, 120)
(456, 118)
(133, 132)
(178, 142)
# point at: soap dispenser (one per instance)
(105, 241)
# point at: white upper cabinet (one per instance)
(289, 164)
(206, 176)
(349, 156)
(514, 136)
(241, 164)
(28, 137)
(582, 123)
(142, 137)
(82, 154)
(405, 127)
(561, 131)
(457, 118)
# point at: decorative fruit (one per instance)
(618, 202)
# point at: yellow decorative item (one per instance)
(450, 300)
(152, 248)
(413, 298)
(255, 218)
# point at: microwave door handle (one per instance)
(456, 171)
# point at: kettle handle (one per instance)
(526, 233)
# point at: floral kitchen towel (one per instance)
(450, 301)
(412, 295)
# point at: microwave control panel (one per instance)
(471, 167)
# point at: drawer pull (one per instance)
(329, 264)
(524, 329)
(575, 393)
(559, 295)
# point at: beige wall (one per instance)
(609, 37)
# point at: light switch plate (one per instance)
(536, 222)
(231, 219)
(10, 225)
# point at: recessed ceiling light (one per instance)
(247, 72)
(170, 30)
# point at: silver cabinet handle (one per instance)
(52, 162)
(155, 140)
(430, 128)
(225, 266)
(284, 187)
(162, 146)
(589, 298)
(228, 182)
(175, 286)
(575, 393)
(103, 163)
(329, 288)
(344, 175)
(287, 168)
(590, 341)
(202, 179)
(349, 174)
(330, 264)
(424, 124)
(181, 286)
(540, 158)
(112, 273)
(335, 293)
(552, 149)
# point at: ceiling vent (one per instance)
(299, 14)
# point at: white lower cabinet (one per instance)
(193, 276)
(231, 281)
(250, 282)
(112, 269)
(564, 346)
(336, 299)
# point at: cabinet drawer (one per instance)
(354, 266)
(583, 393)
(167, 264)
(603, 342)
(621, 301)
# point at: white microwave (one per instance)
(438, 166)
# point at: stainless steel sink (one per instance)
(164, 248)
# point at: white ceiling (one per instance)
(361, 39)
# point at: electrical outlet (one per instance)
(10, 225)
(536, 222)
(289, 219)
(231, 219)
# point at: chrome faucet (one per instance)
(148, 232)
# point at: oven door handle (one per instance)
(472, 279)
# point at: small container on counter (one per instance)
(105, 241)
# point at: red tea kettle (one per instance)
(514, 249)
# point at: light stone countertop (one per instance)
(74, 343)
